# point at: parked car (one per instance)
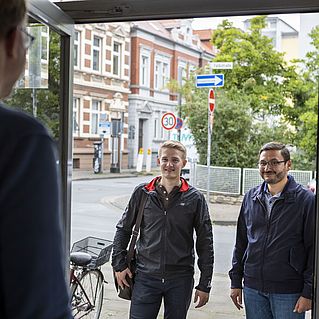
(186, 171)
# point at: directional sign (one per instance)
(221, 65)
(168, 121)
(211, 100)
(210, 80)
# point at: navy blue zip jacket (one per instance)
(165, 247)
(274, 253)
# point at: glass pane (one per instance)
(37, 92)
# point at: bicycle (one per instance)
(86, 278)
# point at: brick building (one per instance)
(160, 51)
(101, 88)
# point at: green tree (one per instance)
(259, 71)
(303, 114)
(236, 137)
(248, 108)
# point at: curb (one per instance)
(103, 177)
(224, 222)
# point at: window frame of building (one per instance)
(45, 44)
(95, 116)
(117, 61)
(145, 63)
(77, 49)
(156, 125)
(76, 116)
(182, 72)
(97, 54)
(161, 72)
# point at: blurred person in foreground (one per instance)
(32, 263)
(165, 256)
(274, 246)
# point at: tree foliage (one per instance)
(304, 113)
(248, 109)
(259, 71)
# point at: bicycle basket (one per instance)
(100, 250)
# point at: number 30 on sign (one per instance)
(168, 121)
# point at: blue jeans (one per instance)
(148, 293)
(270, 306)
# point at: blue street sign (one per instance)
(210, 80)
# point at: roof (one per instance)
(205, 34)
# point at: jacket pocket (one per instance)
(297, 258)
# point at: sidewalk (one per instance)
(79, 175)
(219, 306)
(221, 214)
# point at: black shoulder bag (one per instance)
(126, 293)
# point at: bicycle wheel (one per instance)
(87, 295)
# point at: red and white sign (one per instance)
(168, 121)
(179, 123)
(211, 100)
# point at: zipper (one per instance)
(268, 218)
(164, 245)
(265, 242)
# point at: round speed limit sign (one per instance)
(168, 121)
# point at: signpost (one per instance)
(211, 108)
(168, 121)
(210, 80)
(211, 100)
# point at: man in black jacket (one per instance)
(32, 263)
(274, 248)
(165, 249)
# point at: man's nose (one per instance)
(170, 163)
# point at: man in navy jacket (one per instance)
(273, 254)
(32, 263)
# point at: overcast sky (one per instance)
(211, 23)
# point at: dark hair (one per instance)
(276, 146)
(12, 13)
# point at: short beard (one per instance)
(276, 178)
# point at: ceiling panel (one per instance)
(112, 10)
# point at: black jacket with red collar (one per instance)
(165, 248)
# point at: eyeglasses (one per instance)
(271, 163)
(28, 39)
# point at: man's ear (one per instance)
(158, 160)
(289, 164)
(184, 163)
(11, 43)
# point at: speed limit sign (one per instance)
(168, 121)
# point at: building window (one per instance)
(161, 74)
(95, 112)
(144, 70)
(44, 43)
(97, 53)
(162, 131)
(76, 114)
(156, 125)
(182, 74)
(76, 48)
(116, 58)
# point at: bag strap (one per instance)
(136, 230)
